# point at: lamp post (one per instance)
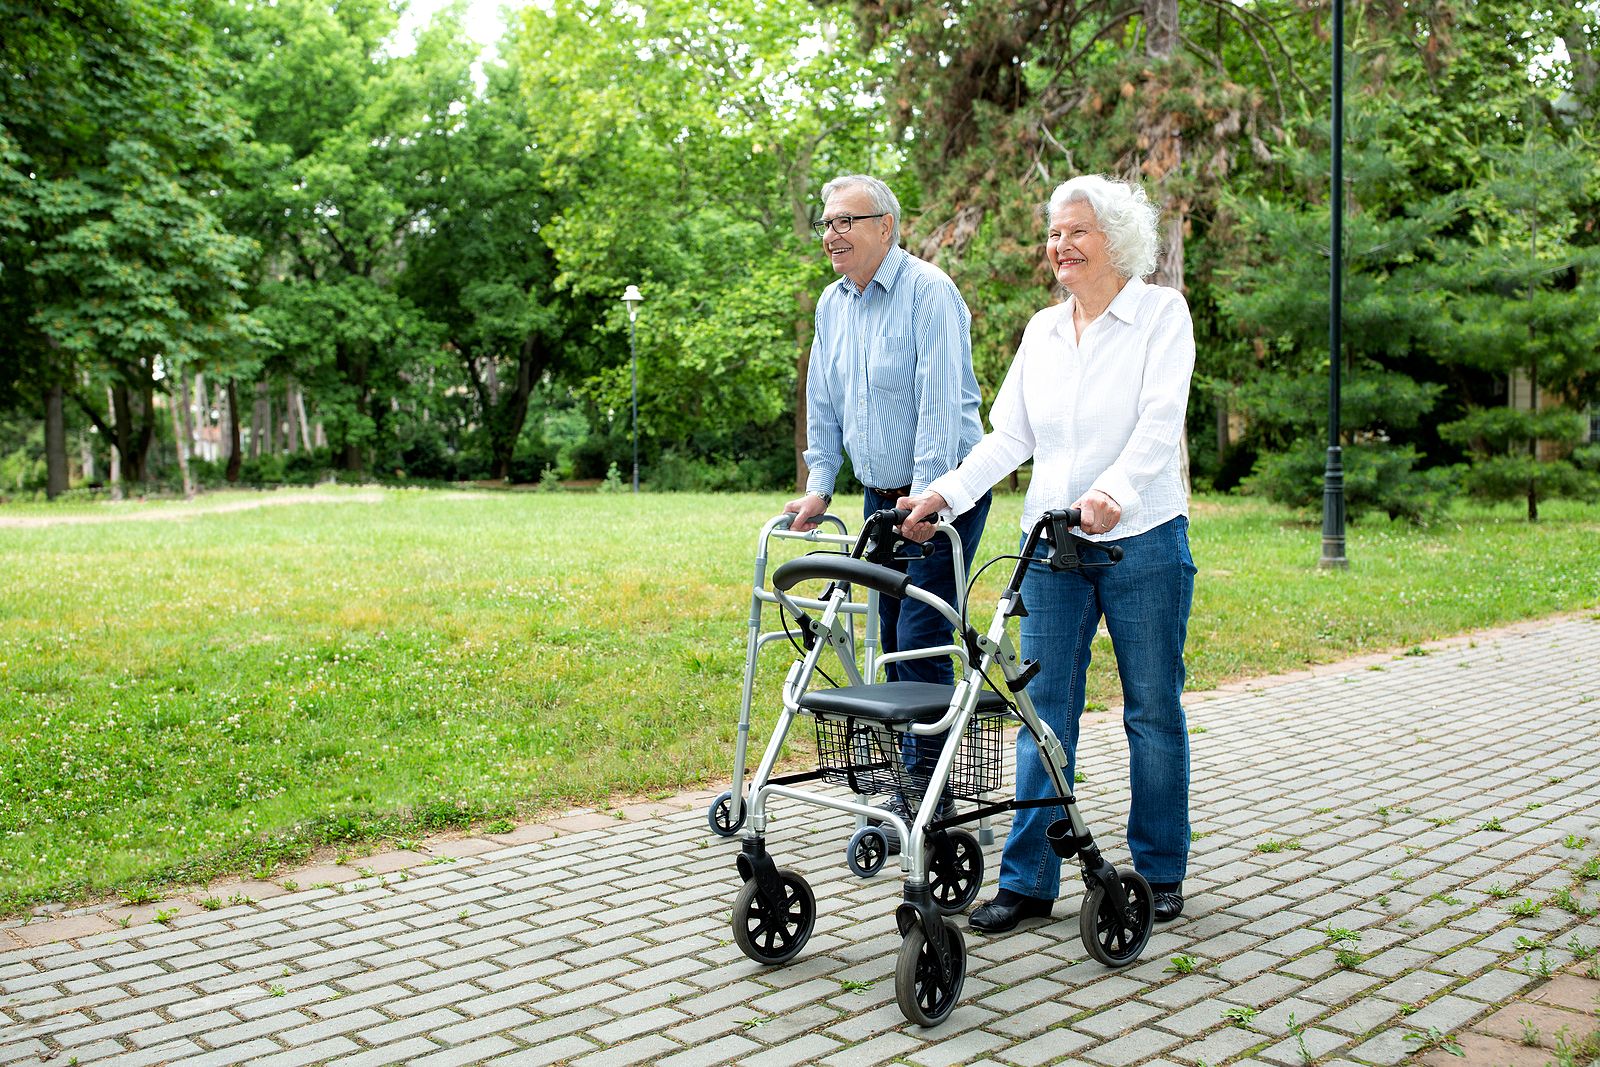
(1333, 476)
(633, 298)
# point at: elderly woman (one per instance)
(1096, 396)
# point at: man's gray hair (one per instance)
(1125, 214)
(882, 199)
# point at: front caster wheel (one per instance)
(955, 873)
(868, 852)
(1114, 929)
(720, 815)
(926, 997)
(772, 932)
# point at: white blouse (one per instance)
(1102, 412)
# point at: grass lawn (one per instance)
(217, 686)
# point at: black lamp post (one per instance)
(1333, 476)
(633, 298)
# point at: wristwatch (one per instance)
(827, 498)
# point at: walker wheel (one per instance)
(1115, 930)
(868, 852)
(926, 998)
(720, 815)
(955, 873)
(774, 934)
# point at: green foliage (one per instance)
(1377, 479)
(113, 152)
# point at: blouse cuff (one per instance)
(1114, 484)
(949, 486)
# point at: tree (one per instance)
(1436, 97)
(345, 136)
(478, 265)
(1523, 300)
(686, 146)
(110, 158)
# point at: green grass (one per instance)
(226, 689)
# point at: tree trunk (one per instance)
(133, 441)
(802, 369)
(300, 411)
(1160, 28)
(291, 437)
(55, 443)
(113, 452)
(1166, 149)
(1222, 429)
(86, 457)
(180, 439)
(234, 456)
(261, 423)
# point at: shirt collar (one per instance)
(885, 275)
(1125, 305)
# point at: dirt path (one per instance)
(190, 509)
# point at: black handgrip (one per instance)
(836, 567)
(1113, 553)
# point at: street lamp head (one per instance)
(633, 298)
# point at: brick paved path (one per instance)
(1442, 808)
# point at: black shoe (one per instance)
(1000, 914)
(1168, 905)
(901, 807)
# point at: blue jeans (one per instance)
(909, 624)
(1145, 600)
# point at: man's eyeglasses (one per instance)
(840, 223)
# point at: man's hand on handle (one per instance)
(924, 517)
(807, 510)
(1100, 512)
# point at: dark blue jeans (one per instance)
(909, 624)
(1145, 601)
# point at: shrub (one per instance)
(1377, 477)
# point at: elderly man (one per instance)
(891, 385)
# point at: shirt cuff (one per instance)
(949, 486)
(1114, 484)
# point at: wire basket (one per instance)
(869, 757)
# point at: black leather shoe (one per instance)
(900, 807)
(996, 918)
(1168, 906)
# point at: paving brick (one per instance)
(729, 1049)
(647, 1049)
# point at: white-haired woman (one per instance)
(1096, 396)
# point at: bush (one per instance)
(676, 472)
(261, 470)
(1377, 477)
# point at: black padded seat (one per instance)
(893, 702)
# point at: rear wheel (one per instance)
(868, 851)
(955, 871)
(720, 815)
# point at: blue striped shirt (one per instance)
(891, 379)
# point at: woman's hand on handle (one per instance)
(1100, 513)
(924, 517)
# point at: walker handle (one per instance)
(837, 567)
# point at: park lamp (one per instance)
(633, 298)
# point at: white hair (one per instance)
(882, 199)
(1125, 214)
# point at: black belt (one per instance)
(896, 494)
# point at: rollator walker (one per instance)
(861, 730)
(867, 851)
